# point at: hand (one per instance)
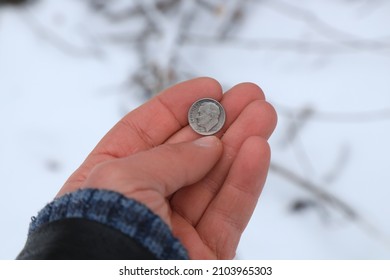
(205, 190)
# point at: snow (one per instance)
(58, 97)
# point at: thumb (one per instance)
(165, 168)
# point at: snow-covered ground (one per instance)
(325, 66)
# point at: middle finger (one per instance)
(257, 119)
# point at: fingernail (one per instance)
(207, 142)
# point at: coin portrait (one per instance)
(206, 116)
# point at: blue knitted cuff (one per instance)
(117, 211)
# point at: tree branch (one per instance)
(316, 190)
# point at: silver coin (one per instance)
(206, 116)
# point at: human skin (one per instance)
(205, 191)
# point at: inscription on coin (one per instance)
(206, 116)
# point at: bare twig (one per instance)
(56, 40)
(331, 200)
(295, 45)
(346, 117)
(338, 166)
(323, 28)
(15, 2)
(316, 190)
(232, 19)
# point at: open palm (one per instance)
(207, 195)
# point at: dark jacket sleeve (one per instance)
(99, 224)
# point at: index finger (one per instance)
(147, 126)
(154, 122)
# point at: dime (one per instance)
(206, 116)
